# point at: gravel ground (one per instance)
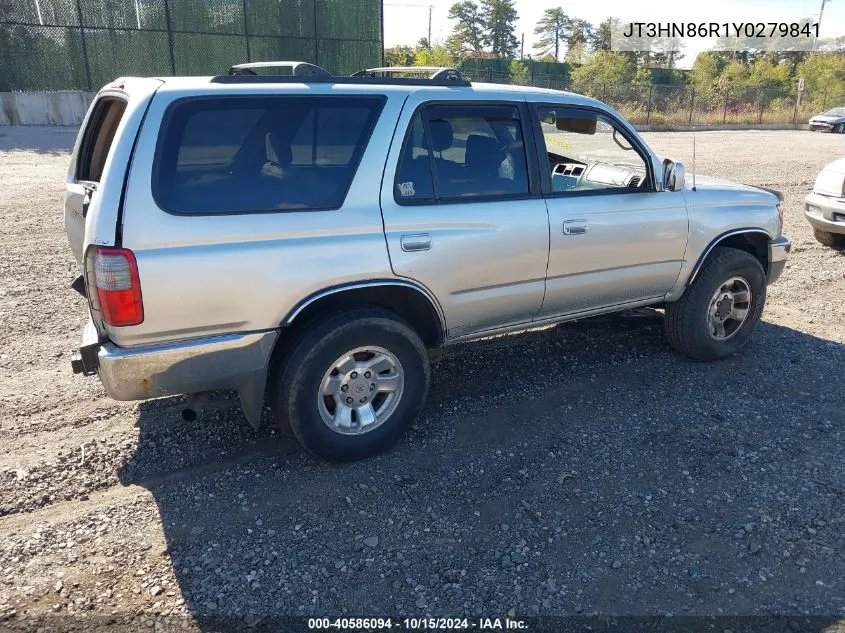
(607, 476)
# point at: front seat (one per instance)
(441, 135)
(278, 155)
(483, 159)
(441, 138)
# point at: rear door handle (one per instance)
(416, 242)
(574, 227)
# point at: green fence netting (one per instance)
(84, 44)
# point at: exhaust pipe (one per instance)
(194, 405)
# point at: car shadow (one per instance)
(584, 468)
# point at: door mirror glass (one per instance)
(674, 175)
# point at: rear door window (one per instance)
(461, 153)
(98, 138)
(259, 154)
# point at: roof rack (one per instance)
(296, 69)
(303, 72)
(432, 72)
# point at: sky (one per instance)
(406, 21)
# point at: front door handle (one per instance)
(416, 242)
(574, 227)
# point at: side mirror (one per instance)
(673, 175)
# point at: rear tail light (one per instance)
(115, 277)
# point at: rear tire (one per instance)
(834, 240)
(336, 352)
(717, 314)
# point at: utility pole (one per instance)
(522, 49)
(821, 13)
(429, 25)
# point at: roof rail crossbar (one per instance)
(360, 80)
(432, 72)
(297, 69)
(328, 79)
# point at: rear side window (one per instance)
(462, 152)
(98, 138)
(261, 154)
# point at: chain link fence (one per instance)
(84, 44)
(673, 104)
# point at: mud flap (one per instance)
(78, 284)
(252, 401)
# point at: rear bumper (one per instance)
(232, 361)
(825, 213)
(778, 253)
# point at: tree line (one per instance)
(486, 29)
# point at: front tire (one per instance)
(839, 128)
(826, 238)
(351, 384)
(717, 314)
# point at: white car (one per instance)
(824, 208)
(831, 121)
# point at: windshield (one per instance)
(836, 112)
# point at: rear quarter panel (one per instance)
(102, 215)
(215, 274)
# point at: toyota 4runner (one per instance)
(309, 237)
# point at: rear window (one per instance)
(98, 138)
(259, 154)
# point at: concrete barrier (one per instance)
(44, 108)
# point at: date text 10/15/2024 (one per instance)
(417, 624)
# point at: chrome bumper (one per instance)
(778, 253)
(825, 213)
(232, 361)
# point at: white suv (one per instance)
(310, 236)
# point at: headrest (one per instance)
(483, 151)
(277, 151)
(441, 134)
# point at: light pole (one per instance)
(819, 25)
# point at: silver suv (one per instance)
(311, 238)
